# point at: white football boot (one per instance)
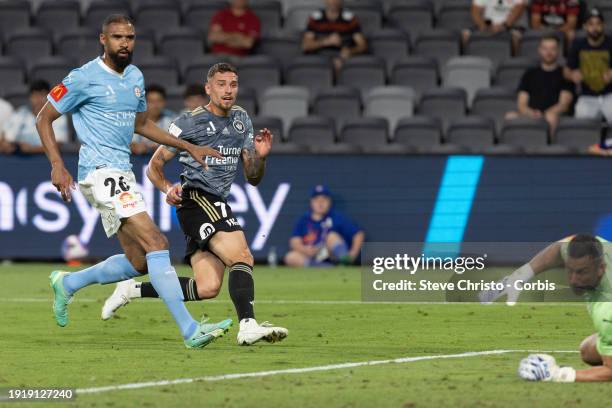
(119, 298)
(251, 332)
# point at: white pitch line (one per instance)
(131, 386)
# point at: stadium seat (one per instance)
(51, 69)
(283, 47)
(58, 16)
(412, 16)
(14, 16)
(284, 147)
(390, 102)
(198, 15)
(390, 45)
(494, 103)
(269, 13)
(525, 133)
(311, 71)
(145, 47)
(365, 132)
(454, 16)
(313, 131)
(339, 103)
(12, 73)
(530, 40)
(496, 48)
(438, 44)
(274, 124)
(182, 44)
(17, 96)
(509, 72)
(289, 4)
(419, 133)
(259, 72)
(247, 99)
(157, 16)
(368, 12)
(81, 45)
(286, 102)
(475, 133)
(469, 73)
(195, 72)
(160, 70)
(363, 72)
(417, 72)
(98, 10)
(577, 134)
(447, 104)
(174, 98)
(28, 45)
(297, 17)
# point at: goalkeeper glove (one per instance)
(542, 367)
(524, 273)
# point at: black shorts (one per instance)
(202, 215)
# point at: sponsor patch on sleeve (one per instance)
(58, 92)
(174, 130)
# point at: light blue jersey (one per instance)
(104, 104)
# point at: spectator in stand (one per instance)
(543, 91)
(157, 112)
(323, 236)
(6, 110)
(497, 17)
(234, 30)
(559, 15)
(334, 31)
(194, 96)
(20, 129)
(588, 66)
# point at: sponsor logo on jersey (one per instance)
(174, 130)
(58, 92)
(206, 230)
(137, 92)
(232, 222)
(238, 125)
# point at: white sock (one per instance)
(134, 291)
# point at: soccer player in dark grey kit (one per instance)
(214, 237)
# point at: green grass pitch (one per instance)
(142, 344)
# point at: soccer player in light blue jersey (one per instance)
(107, 101)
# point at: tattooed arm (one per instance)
(254, 161)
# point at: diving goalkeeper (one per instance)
(588, 262)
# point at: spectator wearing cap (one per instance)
(558, 15)
(589, 66)
(543, 91)
(324, 236)
(234, 30)
(20, 129)
(194, 96)
(157, 112)
(334, 31)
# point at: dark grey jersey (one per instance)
(229, 135)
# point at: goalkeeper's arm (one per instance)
(548, 258)
(598, 373)
(542, 367)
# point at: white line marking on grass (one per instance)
(329, 367)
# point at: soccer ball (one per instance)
(74, 249)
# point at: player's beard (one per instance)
(120, 61)
(596, 36)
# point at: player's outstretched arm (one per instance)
(155, 173)
(60, 177)
(548, 258)
(542, 367)
(254, 160)
(599, 373)
(151, 131)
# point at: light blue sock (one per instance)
(339, 250)
(164, 280)
(114, 269)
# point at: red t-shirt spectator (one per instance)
(247, 24)
(554, 12)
